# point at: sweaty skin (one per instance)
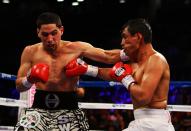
(152, 77)
(150, 71)
(57, 53)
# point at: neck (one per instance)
(144, 51)
(54, 52)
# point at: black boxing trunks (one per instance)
(55, 100)
(53, 111)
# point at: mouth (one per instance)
(50, 45)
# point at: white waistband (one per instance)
(152, 113)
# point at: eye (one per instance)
(45, 34)
(124, 36)
(53, 33)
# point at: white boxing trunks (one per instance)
(151, 120)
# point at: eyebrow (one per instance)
(49, 32)
(124, 34)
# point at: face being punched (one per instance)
(130, 43)
(50, 36)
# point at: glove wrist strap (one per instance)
(26, 83)
(123, 56)
(92, 71)
(126, 81)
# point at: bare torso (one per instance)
(159, 98)
(57, 80)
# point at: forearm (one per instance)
(103, 73)
(105, 56)
(138, 94)
(112, 56)
(115, 55)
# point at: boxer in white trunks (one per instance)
(146, 77)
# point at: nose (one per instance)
(122, 42)
(49, 37)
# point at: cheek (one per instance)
(44, 40)
(135, 42)
(135, 46)
(57, 37)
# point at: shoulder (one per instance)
(157, 57)
(77, 44)
(157, 60)
(32, 48)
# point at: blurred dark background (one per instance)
(99, 22)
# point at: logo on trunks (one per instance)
(52, 100)
(30, 120)
(63, 119)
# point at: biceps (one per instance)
(95, 54)
(150, 81)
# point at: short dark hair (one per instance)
(139, 25)
(48, 18)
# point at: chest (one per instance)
(138, 71)
(56, 63)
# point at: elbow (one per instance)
(19, 86)
(20, 89)
(144, 99)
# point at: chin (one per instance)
(51, 49)
(126, 51)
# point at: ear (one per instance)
(62, 30)
(38, 32)
(139, 35)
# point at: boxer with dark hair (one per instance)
(55, 105)
(146, 77)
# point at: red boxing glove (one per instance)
(122, 73)
(38, 73)
(78, 67)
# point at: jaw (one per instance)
(51, 49)
(133, 54)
